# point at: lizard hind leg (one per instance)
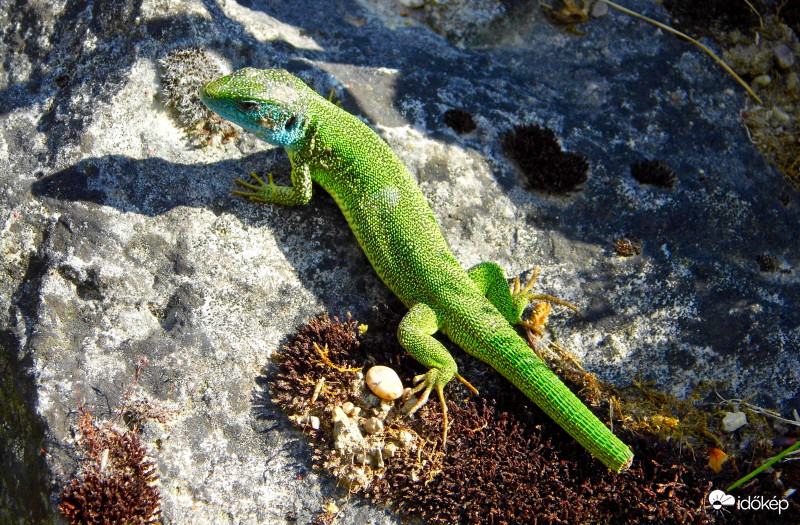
(511, 302)
(492, 284)
(415, 335)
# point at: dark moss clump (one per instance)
(498, 470)
(183, 72)
(769, 263)
(505, 462)
(705, 17)
(540, 157)
(460, 120)
(628, 246)
(789, 11)
(654, 172)
(302, 365)
(117, 480)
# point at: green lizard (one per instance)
(397, 230)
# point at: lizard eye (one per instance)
(249, 106)
(290, 122)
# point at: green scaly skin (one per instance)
(397, 230)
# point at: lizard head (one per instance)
(267, 102)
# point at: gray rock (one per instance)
(477, 22)
(412, 3)
(784, 56)
(599, 9)
(121, 241)
(733, 421)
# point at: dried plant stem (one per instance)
(692, 40)
(760, 21)
(761, 411)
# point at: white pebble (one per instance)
(734, 421)
(306, 419)
(763, 80)
(384, 382)
(338, 415)
(406, 438)
(784, 56)
(390, 450)
(408, 405)
(599, 9)
(779, 115)
(373, 425)
(412, 3)
(793, 82)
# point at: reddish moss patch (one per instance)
(628, 246)
(116, 483)
(301, 367)
(497, 470)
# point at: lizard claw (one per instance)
(429, 381)
(519, 292)
(259, 191)
(521, 297)
(426, 382)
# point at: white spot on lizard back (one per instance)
(384, 200)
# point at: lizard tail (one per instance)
(520, 365)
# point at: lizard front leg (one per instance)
(298, 193)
